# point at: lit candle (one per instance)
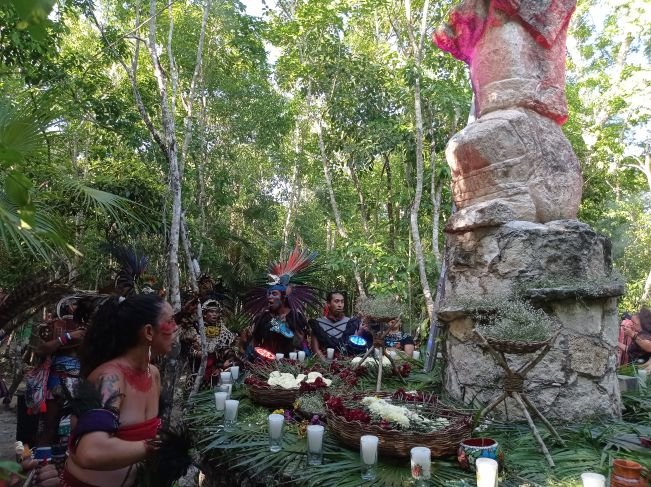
(315, 444)
(225, 378)
(486, 472)
(330, 353)
(220, 400)
(590, 479)
(235, 372)
(230, 414)
(421, 463)
(368, 445)
(301, 356)
(280, 356)
(293, 355)
(368, 452)
(415, 355)
(276, 422)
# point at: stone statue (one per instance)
(513, 162)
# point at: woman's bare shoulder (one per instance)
(109, 378)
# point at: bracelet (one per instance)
(68, 336)
(60, 341)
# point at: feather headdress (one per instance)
(293, 278)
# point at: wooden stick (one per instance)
(493, 404)
(528, 366)
(394, 367)
(378, 386)
(534, 430)
(551, 429)
(498, 359)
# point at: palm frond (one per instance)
(21, 132)
(115, 206)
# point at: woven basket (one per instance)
(395, 443)
(275, 397)
(509, 346)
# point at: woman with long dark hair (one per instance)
(117, 433)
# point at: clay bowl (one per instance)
(471, 449)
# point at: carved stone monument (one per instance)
(517, 186)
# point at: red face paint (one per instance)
(140, 380)
(168, 328)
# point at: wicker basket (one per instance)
(509, 346)
(395, 443)
(275, 397)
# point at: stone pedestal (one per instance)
(565, 268)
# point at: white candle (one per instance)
(393, 354)
(227, 388)
(235, 372)
(231, 406)
(293, 355)
(276, 425)
(377, 352)
(225, 378)
(415, 355)
(590, 479)
(301, 356)
(315, 437)
(280, 356)
(330, 353)
(369, 449)
(642, 374)
(486, 472)
(421, 457)
(220, 400)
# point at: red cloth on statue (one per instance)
(139, 431)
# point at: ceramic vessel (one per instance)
(627, 473)
(473, 448)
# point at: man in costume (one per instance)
(222, 344)
(334, 328)
(279, 307)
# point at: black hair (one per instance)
(332, 293)
(114, 328)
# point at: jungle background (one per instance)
(190, 127)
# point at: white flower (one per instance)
(372, 361)
(400, 415)
(288, 381)
(312, 376)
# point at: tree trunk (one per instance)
(390, 210)
(360, 194)
(194, 271)
(417, 46)
(293, 189)
(169, 133)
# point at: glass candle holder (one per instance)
(591, 479)
(416, 355)
(486, 472)
(220, 400)
(225, 378)
(276, 422)
(315, 444)
(393, 354)
(642, 375)
(293, 356)
(368, 453)
(301, 356)
(230, 414)
(421, 465)
(330, 353)
(280, 356)
(235, 372)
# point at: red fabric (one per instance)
(139, 431)
(622, 355)
(69, 480)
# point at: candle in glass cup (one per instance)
(230, 414)
(486, 472)
(642, 375)
(220, 400)
(315, 444)
(415, 355)
(293, 356)
(276, 422)
(301, 356)
(368, 452)
(393, 354)
(225, 378)
(280, 356)
(591, 479)
(421, 463)
(235, 372)
(330, 353)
